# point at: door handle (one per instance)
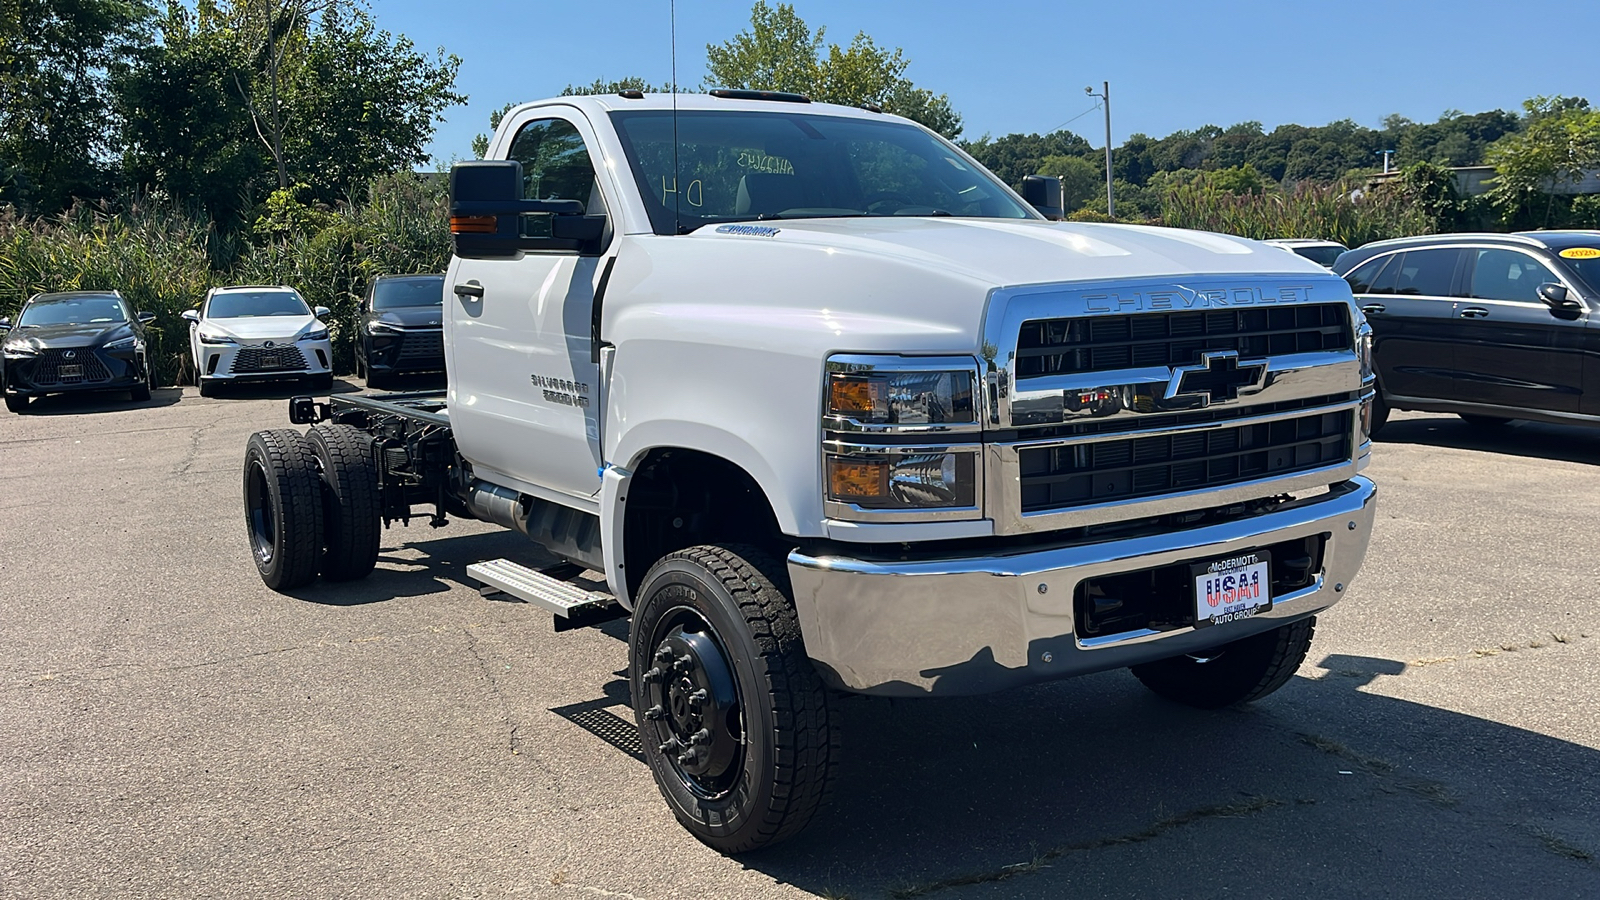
(1373, 309)
(1474, 312)
(469, 289)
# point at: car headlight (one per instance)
(861, 395)
(127, 343)
(213, 337)
(376, 328)
(317, 333)
(902, 478)
(20, 350)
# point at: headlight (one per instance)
(906, 478)
(127, 343)
(20, 350)
(381, 328)
(211, 337)
(859, 393)
(317, 333)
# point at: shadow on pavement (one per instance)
(1095, 788)
(89, 402)
(278, 390)
(1569, 443)
(424, 563)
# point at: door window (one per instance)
(1509, 275)
(555, 166)
(1362, 278)
(1425, 273)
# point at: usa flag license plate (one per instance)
(1234, 588)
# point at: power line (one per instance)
(1077, 117)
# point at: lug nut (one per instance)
(655, 713)
(698, 698)
(672, 745)
(664, 654)
(703, 736)
(654, 674)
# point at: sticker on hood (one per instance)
(751, 230)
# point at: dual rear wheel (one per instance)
(312, 505)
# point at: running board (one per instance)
(574, 606)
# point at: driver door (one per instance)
(524, 386)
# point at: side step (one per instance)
(573, 605)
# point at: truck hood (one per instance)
(1011, 252)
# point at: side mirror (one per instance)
(1043, 193)
(320, 311)
(5, 324)
(1556, 297)
(145, 318)
(487, 214)
(190, 315)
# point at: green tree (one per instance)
(1016, 155)
(780, 52)
(1559, 144)
(56, 61)
(601, 86)
(480, 141)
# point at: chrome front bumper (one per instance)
(970, 625)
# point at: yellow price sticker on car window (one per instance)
(1580, 253)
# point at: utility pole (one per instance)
(1105, 99)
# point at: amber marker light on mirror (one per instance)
(473, 224)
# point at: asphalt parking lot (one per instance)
(171, 728)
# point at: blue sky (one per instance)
(1021, 65)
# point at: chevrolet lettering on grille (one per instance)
(1220, 376)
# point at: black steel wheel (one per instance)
(734, 721)
(283, 508)
(351, 509)
(1243, 671)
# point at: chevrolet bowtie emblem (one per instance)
(1220, 376)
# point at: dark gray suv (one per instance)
(1492, 327)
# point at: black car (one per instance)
(75, 341)
(401, 330)
(1492, 327)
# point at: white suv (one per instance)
(256, 333)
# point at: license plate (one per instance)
(1234, 588)
(269, 361)
(72, 371)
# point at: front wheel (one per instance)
(140, 392)
(17, 403)
(283, 508)
(1245, 670)
(734, 720)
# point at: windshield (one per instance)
(396, 293)
(245, 304)
(73, 311)
(739, 165)
(1587, 269)
(1322, 256)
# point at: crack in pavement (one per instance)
(1557, 640)
(494, 690)
(136, 669)
(1435, 792)
(189, 456)
(1249, 806)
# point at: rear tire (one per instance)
(1243, 671)
(352, 511)
(17, 403)
(282, 508)
(734, 721)
(1485, 423)
(1380, 413)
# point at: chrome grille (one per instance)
(267, 359)
(1062, 477)
(54, 367)
(1105, 343)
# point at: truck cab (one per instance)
(834, 409)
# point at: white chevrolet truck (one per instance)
(834, 410)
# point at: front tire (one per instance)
(208, 388)
(283, 508)
(351, 511)
(1380, 413)
(140, 393)
(1484, 423)
(735, 723)
(17, 403)
(1243, 671)
(321, 383)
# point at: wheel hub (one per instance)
(694, 707)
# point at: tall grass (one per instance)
(1332, 212)
(157, 256)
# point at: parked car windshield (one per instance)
(245, 304)
(1322, 256)
(396, 293)
(73, 311)
(1588, 271)
(741, 166)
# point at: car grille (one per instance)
(419, 346)
(267, 359)
(1104, 343)
(54, 367)
(1106, 471)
